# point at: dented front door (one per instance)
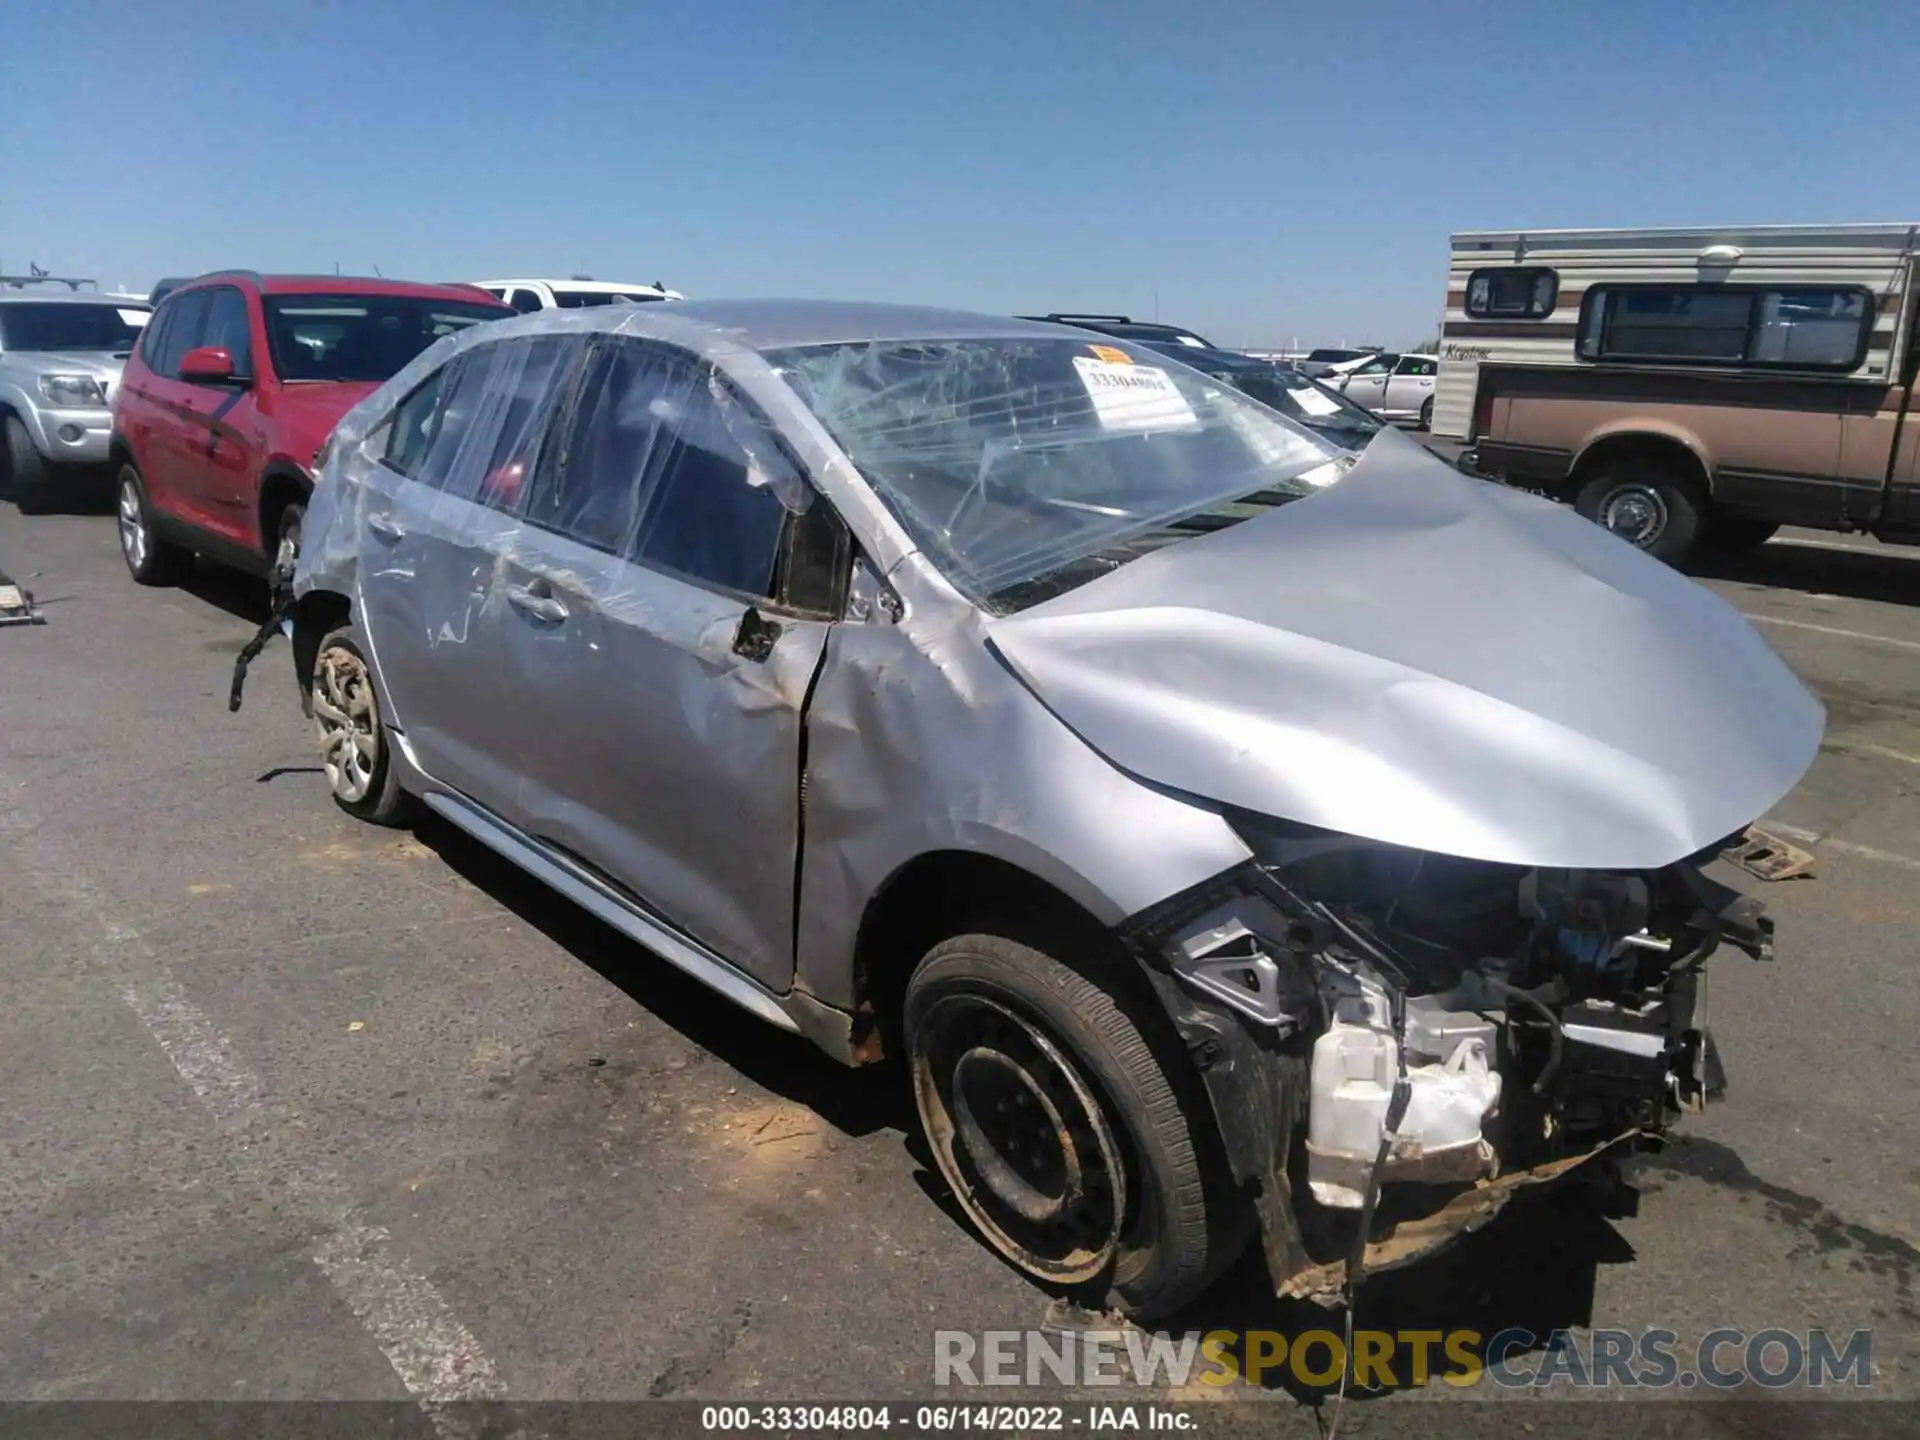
(661, 690)
(661, 741)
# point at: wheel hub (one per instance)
(349, 725)
(1636, 513)
(1021, 1137)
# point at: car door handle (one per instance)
(536, 602)
(385, 527)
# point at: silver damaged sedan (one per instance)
(1230, 839)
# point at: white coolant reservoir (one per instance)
(1354, 1068)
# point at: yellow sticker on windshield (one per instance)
(1111, 355)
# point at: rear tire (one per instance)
(150, 559)
(1426, 413)
(1060, 1125)
(27, 471)
(353, 745)
(1648, 502)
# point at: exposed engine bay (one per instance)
(1434, 1024)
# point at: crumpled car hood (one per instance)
(1422, 658)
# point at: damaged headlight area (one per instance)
(1433, 1030)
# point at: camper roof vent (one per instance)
(1720, 254)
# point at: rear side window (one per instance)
(184, 327)
(1418, 365)
(655, 467)
(1820, 327)
(490, 415)
(526, 301)
(1519, 292)
(415, 422)
(153, 339)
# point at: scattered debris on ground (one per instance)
(16, 604)
(1766, 856)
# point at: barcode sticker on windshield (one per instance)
(1134, 397)
(1312, 401)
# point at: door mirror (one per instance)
(207, 363)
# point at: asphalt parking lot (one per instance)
(296, 1107)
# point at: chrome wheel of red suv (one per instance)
(150, 559)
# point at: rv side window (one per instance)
(1524, 292)
(1817, 327)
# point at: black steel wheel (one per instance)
(1073, 1145)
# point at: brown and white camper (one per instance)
(1691, 386)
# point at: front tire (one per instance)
(150, 559)
(27, 471)
(1057, 1122)
(286, 548)
(353, 746)
(1648, 504)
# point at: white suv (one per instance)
(527, 295)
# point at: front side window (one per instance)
(1799, 327)
(360, 337)
(1380, 366)
(1023, 466)
(655, 466)
(527, 301)
(1521, 292)
(63, 325)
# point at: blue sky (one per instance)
(1270, 170)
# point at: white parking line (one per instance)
(1854, 747)
(1844, 847)
(437, 1358)
(1892, 552)
(1833, 630)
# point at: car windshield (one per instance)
(575, 299)
(30, 325)
(360, 337)
(1024, 466)
(1326, 412)
(1334, 357)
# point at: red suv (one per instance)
(236, 383)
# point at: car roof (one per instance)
(1203, 357)
(1122, 326)
(778, 324)
(594, 287)
(118, 302)
(342, 285)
